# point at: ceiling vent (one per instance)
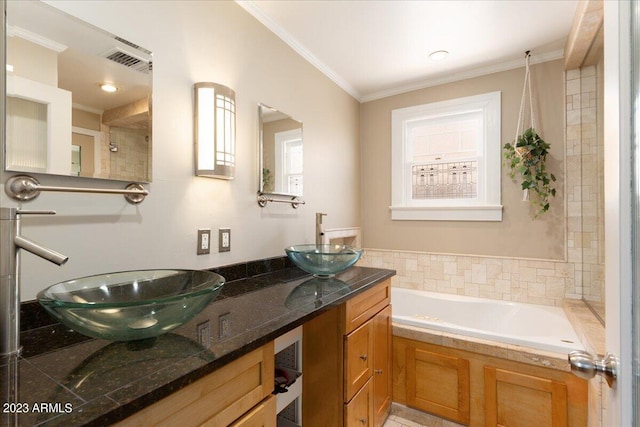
(124, 58)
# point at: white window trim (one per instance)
(487, 207)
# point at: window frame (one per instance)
(282, 139)
(487, 205)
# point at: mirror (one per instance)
(61, 118)
(281, 146)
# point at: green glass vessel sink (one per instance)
(323, 260)
(131, 305)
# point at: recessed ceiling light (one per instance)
(108, 87)
(438, 55)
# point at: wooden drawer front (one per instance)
(364, 306)
(513, 399)
(359, 412)
(263, 415)
(217, 399)
(358, 349)
(450, 399)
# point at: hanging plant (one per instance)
(526, 156)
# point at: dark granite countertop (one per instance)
(66, 379)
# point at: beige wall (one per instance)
(194, 41)
(517, 235)
(22, 53)
(85, 119)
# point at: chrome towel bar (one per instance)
(25, 187)
(263, 199)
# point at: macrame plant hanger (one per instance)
(526, 93)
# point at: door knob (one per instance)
(586, 366)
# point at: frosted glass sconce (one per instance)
(215, 130)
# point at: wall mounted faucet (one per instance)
(319, 228)
(10, 243)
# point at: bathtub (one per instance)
(535, 326)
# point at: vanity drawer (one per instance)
(362, 307)
(358, 350)
(217, 399)
(263, 415)
(359, 412)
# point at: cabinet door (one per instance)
(359, 412)
(381, 366)
(358, 349)
(438, 384)
(514, 399)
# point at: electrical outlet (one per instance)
(224, 240)
(203, 331)
(204, 241)
(224, 325)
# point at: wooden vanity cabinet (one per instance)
(237, 394)
(347, 360)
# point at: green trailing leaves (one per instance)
(527, 160)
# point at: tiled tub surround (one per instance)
(556, 283)
(508, 279)
(105, 382)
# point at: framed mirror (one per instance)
(78, 98)
(281, 148)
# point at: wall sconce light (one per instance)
(215, 130)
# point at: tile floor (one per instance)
(402, 416)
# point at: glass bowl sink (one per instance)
(323, 260)
(131, 305)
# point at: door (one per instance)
(619, 225)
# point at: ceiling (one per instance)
(82, 51)
(377, 48)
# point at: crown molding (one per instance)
(251, 7)
(463, 75)
(15, 31)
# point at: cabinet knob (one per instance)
(378, 371)
(363, 357)
(363, 421)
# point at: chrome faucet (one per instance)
(319, 228)
(10, 243)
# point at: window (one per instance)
(446, 160)
(288, 146)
